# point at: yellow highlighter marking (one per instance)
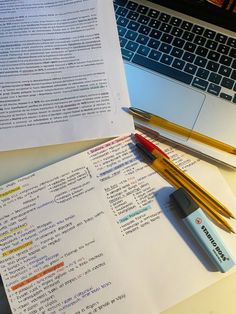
(6, 193)
(12, 231)
(16, 249)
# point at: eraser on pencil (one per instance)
(203, 230)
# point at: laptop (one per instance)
(180, 64)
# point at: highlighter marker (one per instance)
(203, 230)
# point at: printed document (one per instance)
(97, 233)
(61, 73)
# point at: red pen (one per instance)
(152, 148)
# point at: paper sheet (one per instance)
(58, 79)
(95, 233)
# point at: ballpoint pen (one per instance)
(184, 177)
(178, 129)
(177, 180)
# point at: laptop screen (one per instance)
(219, 12)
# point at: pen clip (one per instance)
(140, 113)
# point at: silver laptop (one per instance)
(183, 67)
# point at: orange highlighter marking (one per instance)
(37, 276)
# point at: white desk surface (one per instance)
(220, 298)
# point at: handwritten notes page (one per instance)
(95, 233)
(58, 79)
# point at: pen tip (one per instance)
(231, 230)
(126, 109)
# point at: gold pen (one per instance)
(184, 177)
(178, 178)
(220, 221)
(178, 129)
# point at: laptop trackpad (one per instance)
(163, 97)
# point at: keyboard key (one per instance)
(144, 29)
(166, 59)
(132, 15)
(165, 27)
(153, 43)
(214, 89)
(188, 56)
(123, 41)
(153, 13)
(132, 5)
(165, 48)
(121, 11)
(201, 51)
(208, 33)
(131, 35)
(155, 34)
(133, 25)
(120, 2)
(142, 9)
(190, 68)
(232, 53)
(175, 21)
(143, 19)
(142, 39)
(199, 83)
(225, 60)
(163, 69)
(155, 55)
(176, 32)
(198, 29)
(164, 17)
(234, 64)
(210, 44)
(188, 36)
(226, 96)
(186, 25)
(231, 42)
(127, 54)
(122, 21)
(202, 73)
(166, 38)
(227, 83)
(189, 46)
(199, 40)
(220, 38)
(214, 56)
(233, 75)
(178, 64)
(154, 23)
(177, 52)
(234, 99)
(131, 45)
(215, 78)
(200, 61)
(223, 49)
(178, 42)
(143, 50)
(224, 70)
(121, 30)
(212, 66)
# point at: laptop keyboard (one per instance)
(181, 50)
